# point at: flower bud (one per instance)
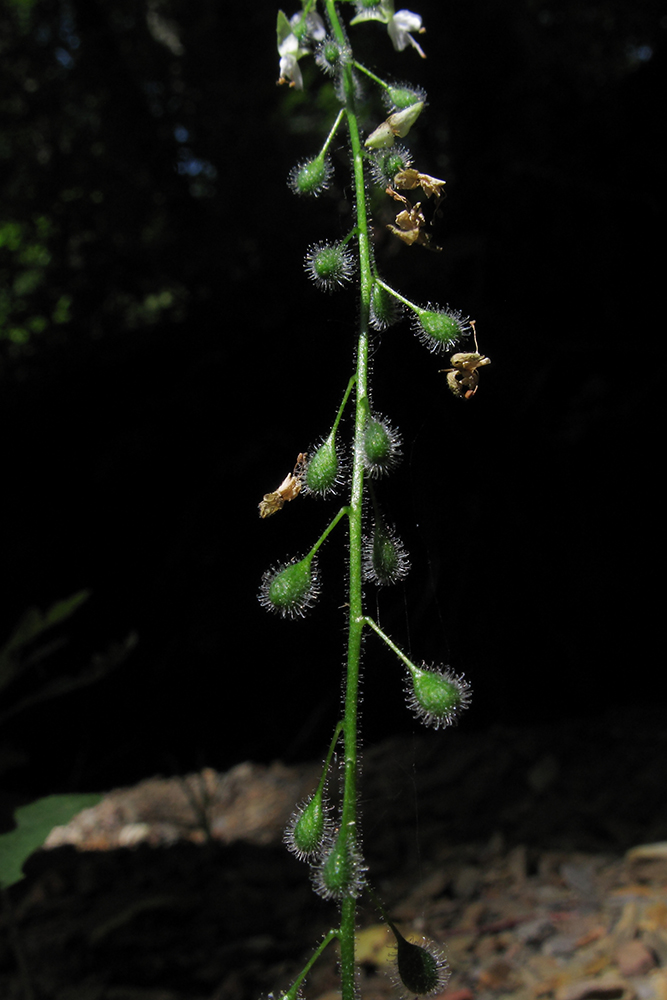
(382, 447)
(306, 831)
(307, 29)
(437, 696)
(381, 137)
(402, 121)
(311, 177)
(439, 329)
(321, 475)
(329, 265)
(292, 589)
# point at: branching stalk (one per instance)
(435, 694)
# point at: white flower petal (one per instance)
(289, 46)
(399, 28)
(316, 28)
(289, 70)
(407, 20)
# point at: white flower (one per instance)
(288, 50)
(399, 27)
(314, 25)
(294, 38)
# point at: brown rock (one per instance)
(633, 958)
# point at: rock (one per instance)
(634, 958)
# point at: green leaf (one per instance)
(63, 609)
(34, 823)
(32, 623)
(283, 27)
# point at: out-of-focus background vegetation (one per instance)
(163, 360)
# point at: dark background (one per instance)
(163, 361)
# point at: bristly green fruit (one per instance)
(439, 329)
(322, 470)
(311, 177)
(339, 875)
(385, 164)
(402, 97)
(437, 696)
(382, 447)
(329, 56)
(422, 969)
(384, 558)
(329, 265)
(292, 589)
(385, 309)
(306, 830)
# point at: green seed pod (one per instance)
(382, 447)
(439, 329)
(306, 832)
(329, 265)
(329, 56)
(292, 589)
(386, 163)
(322, 472)
(401, 97)
(422, 969)
(311, 177)
(437, 696)
(339, 874)
(384, 559)
(385, 309)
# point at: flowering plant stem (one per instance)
(434, 694)
(355, 510)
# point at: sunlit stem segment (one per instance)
(293, 992)
(350, 386)
(392, 645)
(356, 619)
(327, 531)
(332, 133)
(399, 297)
(327, 761)
(372, 76)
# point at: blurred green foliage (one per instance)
(34, 823)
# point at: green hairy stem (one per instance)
(436, 695)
